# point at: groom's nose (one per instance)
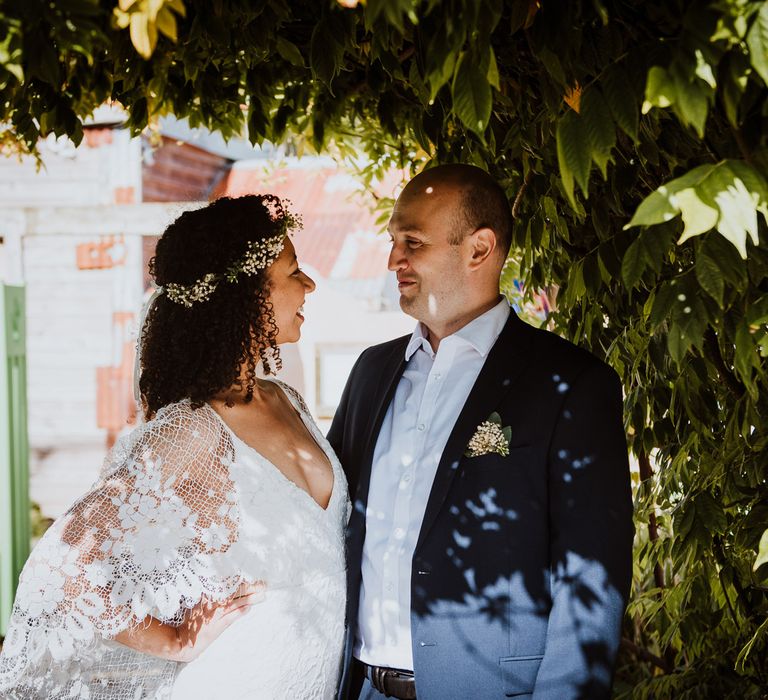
(397, 259)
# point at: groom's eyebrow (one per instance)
(404, 230)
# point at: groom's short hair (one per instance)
(483, 204)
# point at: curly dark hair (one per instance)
(197, 352)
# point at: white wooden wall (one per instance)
(44, 216)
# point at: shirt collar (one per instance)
(480, 333)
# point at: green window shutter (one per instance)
(14, 447)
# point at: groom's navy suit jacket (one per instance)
(523, 564)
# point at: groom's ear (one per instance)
(483, 247)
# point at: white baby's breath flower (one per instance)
(259, 256)
(489, 438)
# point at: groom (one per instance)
(489, 547)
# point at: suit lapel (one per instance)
(389, 376)
(502, 366)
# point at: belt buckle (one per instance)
(388, 673)
(379, 676)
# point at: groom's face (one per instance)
(430, 267)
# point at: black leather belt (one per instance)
(391, 682)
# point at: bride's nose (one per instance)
(309, 283)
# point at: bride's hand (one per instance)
(201, 626)
(207, 620)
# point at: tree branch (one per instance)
(646, 472)
(646, 655)
(520, 193)
(713, 353)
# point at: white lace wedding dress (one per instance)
(184, 509)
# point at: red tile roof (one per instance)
(332, 206)
(177, 172)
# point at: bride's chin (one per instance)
(292, 337)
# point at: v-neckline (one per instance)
(279, 472)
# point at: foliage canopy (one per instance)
(632, 138)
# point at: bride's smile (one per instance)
(289, 285)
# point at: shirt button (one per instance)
(437, 375)
(421, 427)
(399, 533)
(407, 478)
(390, 588)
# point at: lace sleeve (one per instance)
(150, 538)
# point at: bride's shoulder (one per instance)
(180, 428)
(184, 416)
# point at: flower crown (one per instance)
(259, 256)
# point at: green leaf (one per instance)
(738, 192)
(685, 514)
(258, 121)
(14, 69)
(592, 275)
(634, 263)
(762, 345)
(732, 266)
(441, 57)
(704, 69)
(656, 208)
(599, 127)
(711, 513)
(290, 52)
(493, 69)
(710, 278)
(471, 95)
(692, 99)
(692, 318)
(166, 24)
(495, 418)
(553, 66)
(762, 552)
(573, 153)
(757, 313)
(698, 217)
(736, 77)
(663, 302)
(741, 659)
(757, 41)
(143, 34)
(325, 53)
(687, 91)
(621, 100)
(176, 5)
(677, 343)
(660, 89)
(44, 61)
(727, 195)
(574, 286)
(745, 356)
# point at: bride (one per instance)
(207, 561)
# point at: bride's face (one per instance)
(289, 287)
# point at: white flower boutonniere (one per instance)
(490, 438)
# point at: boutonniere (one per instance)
(490, 438)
